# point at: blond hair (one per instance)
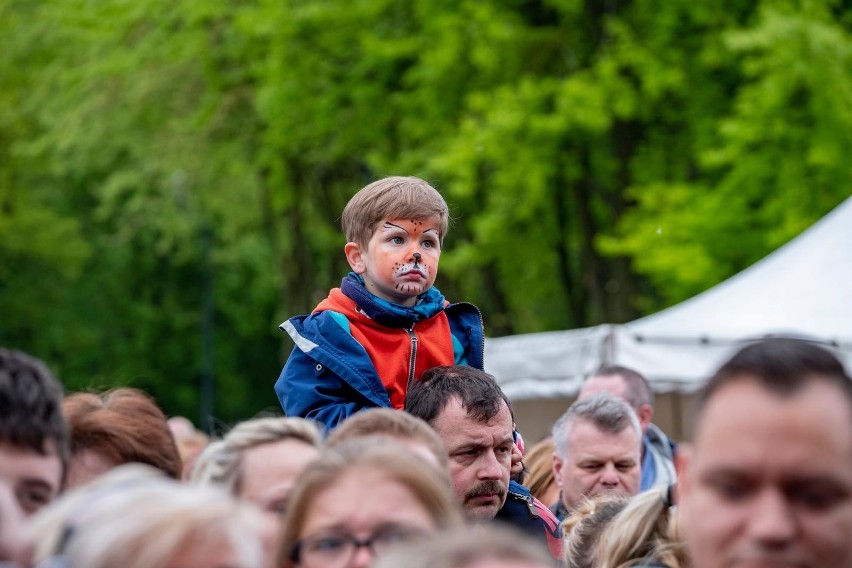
(134, 518)
(430, 486)
(393, 197)
(645, 530)
(539, 463)
(220, 463)
(583, 529)
(392, 424)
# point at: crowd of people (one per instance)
(398, 450)
(96, 480)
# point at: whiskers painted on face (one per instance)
(415, 268)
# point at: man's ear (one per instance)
(645, 415)
(682, 460)
(557, 470)
(355, 257)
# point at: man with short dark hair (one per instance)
(474, 419)
(597, 446)
(768, 479)
(657, 449)
(34, 442)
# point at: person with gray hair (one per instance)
(658, 451)
(597, 450)
(259, 460)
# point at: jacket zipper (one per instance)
(530, 502)
(413, 358)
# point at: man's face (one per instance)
(34, 479)
(769, 480)
(480, 457)
(400, 261)
(597, 462)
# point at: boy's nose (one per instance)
(416, 257)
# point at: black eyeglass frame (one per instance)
(409, 533)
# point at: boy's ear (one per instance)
(355, 257)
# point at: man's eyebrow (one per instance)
(468, 446)
(726, 472)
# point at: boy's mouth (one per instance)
(413, 273)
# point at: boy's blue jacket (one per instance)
(329, 375)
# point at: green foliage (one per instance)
(602, 160)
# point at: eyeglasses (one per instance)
(336, 550)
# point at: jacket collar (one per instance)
(386, 313)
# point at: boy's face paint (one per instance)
(401, 260)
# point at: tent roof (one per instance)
(801, 289)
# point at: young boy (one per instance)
(387, 323)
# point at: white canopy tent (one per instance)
(802, 289)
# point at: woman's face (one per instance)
(360, 514)
(269, 472)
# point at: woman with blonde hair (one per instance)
(360, 498)
(582, 529)
(539, 477)
(644, 534)
(259, 460)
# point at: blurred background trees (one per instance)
(172, 173)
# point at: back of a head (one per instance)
(476, 390)
(393, 424)
(583, 528)
(392, 197)
(480, 547)
(644, 531)
(151, 522)
(638, 389)
(221, 461)
(782, 366)
(430, 486)
(124, 425)
(606, 412)
(54, 523)
(30, 399)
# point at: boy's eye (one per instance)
(396, 240)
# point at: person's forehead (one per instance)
(454, 423)
(744, 422)
(587, 440)
(613, 384)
